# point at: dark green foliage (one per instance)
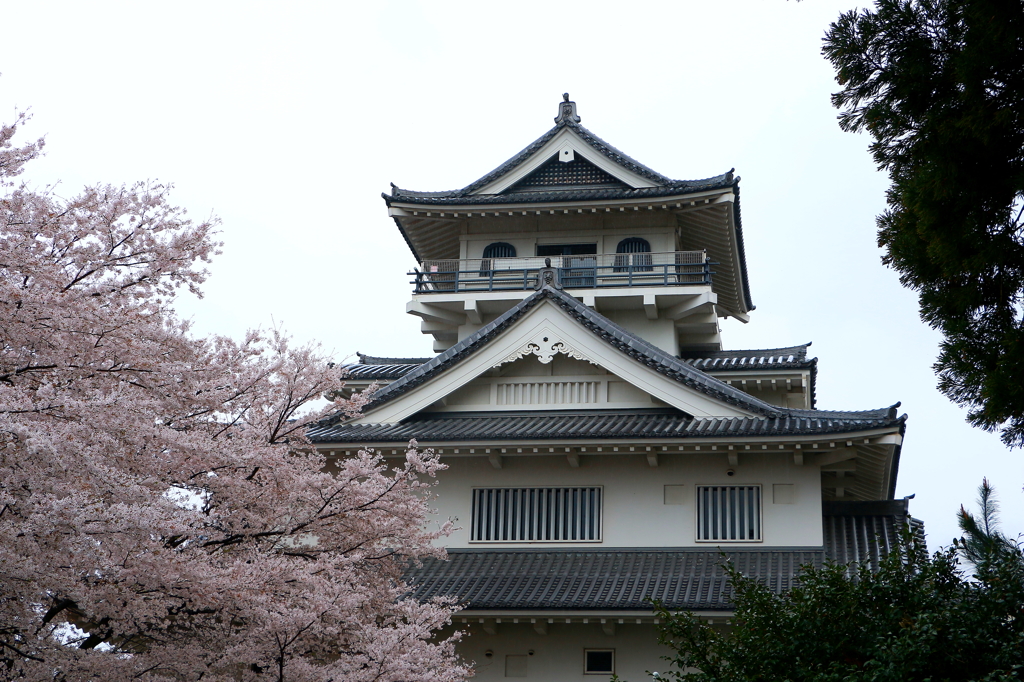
(915, 618)
(939, 85)
(982, 542)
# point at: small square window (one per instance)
(599, 661)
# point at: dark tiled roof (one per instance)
(372, 360)
(371, 368)
(665, 187)
(465, 196)
(792, 357)
(677, 188)
(371, 372)
(616, 336)
(865, 532)
(590, 138)
(600, 579)
(632, 346)
(622, 579)
(446, 427)
(740, 246)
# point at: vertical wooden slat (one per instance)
(536, 514)
(728, 513)
(476, 516)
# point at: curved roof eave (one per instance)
(403, 197)
(625, 341)
(593, 141)
(741, 250)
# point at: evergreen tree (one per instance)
(917, 617)
(939, 85)
(983, 542)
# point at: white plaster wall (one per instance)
(660, 333)
(606, 230)
(558, 655)
(635, 513)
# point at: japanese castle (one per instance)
(603, 447)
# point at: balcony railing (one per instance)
(671, 268)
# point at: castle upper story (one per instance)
(661, 257)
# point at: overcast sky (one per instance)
(287, 120)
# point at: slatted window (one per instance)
(639, 258)
(729, 513)
(537, 514)
(548, 393)
(495, 250)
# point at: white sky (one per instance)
(288, 120)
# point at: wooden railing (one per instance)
(670, 268)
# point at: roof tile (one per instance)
(677, 369)
(682, 578)
(445, 427)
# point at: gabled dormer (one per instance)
(662, 257)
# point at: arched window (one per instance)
(495, 250)
(633, 255)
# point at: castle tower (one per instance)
(662, 257)
(602, 447)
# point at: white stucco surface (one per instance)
(635, 509)
(558, 655)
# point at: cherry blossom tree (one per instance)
(161, 514)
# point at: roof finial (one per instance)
(567, 111)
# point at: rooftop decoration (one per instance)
(567, 110)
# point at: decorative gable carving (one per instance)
(480, 382)
(545, 347)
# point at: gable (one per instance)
(566, 146)
(563, 383)
(586, 364)
(576, 173)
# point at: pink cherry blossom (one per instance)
(162, 515)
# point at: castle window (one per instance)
(578, 263)
(633, 255)
(566, 249)
(536, 514)
(495, 250)
(599, 661)
(729, 513)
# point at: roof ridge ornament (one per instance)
(566, 111)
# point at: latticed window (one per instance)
(495, 250)
(536, 514)
(633, 254)
(729, 513)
